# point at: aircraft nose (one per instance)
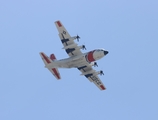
(106, 52)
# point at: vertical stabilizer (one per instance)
(52, 57)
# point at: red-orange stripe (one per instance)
(56, 73)
(102, 87)
(45, 57)
(90, 56)
(59, 24)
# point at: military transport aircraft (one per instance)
(77, 59)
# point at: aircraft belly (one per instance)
(62, 64)
(77, 63)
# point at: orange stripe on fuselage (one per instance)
(90, 56)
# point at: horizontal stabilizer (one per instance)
(49, 64)
(55, 72)
(45, 58)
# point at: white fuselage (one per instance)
(79, 60)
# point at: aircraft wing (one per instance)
(92, 76)
(70, 46)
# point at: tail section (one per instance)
(52, 57)
(49, 64)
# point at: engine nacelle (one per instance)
(75, 38)
(93, 72)
(98, 72)
(70, 46)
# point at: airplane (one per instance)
(76, 59)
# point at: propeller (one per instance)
(95, 64)
(77, 37)
(83, 47)
(101, 72)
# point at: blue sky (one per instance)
(127, 29)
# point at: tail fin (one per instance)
(49, 64)
(52, 57)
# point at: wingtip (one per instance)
(57, 20)
(58, 23)
(45, 57)
(102, 87)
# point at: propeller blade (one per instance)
(77, 37)
(101, 72)
(83, 47)
(95, 64)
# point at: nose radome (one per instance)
(106, 52)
